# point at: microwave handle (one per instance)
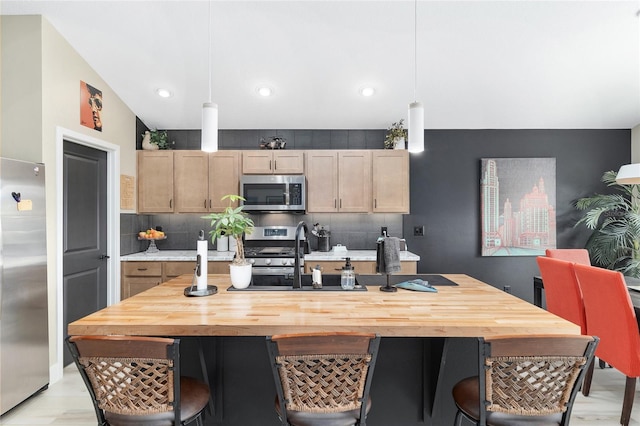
(286, 199)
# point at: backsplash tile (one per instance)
(356, 231)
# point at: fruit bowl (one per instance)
(152, 241)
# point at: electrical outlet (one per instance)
(383, 230)
(418, 231)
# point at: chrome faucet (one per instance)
(297, 278)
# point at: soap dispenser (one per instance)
(348, 276)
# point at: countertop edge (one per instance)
(217, 256)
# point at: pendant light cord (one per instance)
(415, 50)
(209, 56)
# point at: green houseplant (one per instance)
(161, 139)
(233, 222)
(396, 133)
(615, 221)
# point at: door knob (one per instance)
(103, 257)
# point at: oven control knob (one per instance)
(252, 261)
(285, 262)
(267, 261)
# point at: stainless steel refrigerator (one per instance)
(24, 342)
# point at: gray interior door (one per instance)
(85, 233)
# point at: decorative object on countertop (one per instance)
(417, 285)
(396, 136)
(323, 236)
(152, 235)
(200, 272)
(340, 249)
(233, 222)
(273, 142)
(615, 221)
(222, 243)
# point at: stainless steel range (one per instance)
(271, 250)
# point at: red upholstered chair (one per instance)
(562, 291)
(580, 256)
(610, 316)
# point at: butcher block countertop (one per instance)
(470, 309)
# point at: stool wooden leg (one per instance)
(627, 404)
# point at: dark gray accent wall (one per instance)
(445, 195)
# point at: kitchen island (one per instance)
(428, 339)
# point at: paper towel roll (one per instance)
(202, 251)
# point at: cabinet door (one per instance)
(191, 178)
(155, 182)
(257, 162)
(224, 178)
(177, 268)
(390, 181)
(288, 162)
(354, 183)
(322, 181)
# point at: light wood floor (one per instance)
(67, 403)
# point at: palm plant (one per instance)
(615, 221)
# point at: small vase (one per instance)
(146, 142)
(240, 275)
(398, 143)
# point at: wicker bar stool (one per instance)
(525, 380)
(323, 379)
(136, 381)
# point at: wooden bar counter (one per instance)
(428, 339)
(470, 309)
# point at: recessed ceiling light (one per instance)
(264, 91)
(164, 93)
(367, 91)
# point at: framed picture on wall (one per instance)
(90, 106)
(517, 206)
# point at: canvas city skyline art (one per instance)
(517, 206)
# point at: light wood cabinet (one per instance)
(224, 178)
(390, 173)
(155, 182)
(200, 180)
(338, 181)
(140, 276)
(191, 179)
(360, 267)
(265, 162)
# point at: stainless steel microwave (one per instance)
(273, 193)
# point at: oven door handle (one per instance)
(260, 270)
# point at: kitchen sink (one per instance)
(330, 282)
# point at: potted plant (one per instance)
(233, 222)
(396, 136)
(615, 221)
(156, 139)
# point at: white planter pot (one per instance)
(399, 143)
(240, 275)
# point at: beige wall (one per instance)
(41, 92)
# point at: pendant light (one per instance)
(209, 141)
(416, 111)
(629, 174)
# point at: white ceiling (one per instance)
(481, 64)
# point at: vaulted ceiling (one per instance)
(480, 64)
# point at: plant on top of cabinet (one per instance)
(396, 135)
(233, 222)
(160, 139)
